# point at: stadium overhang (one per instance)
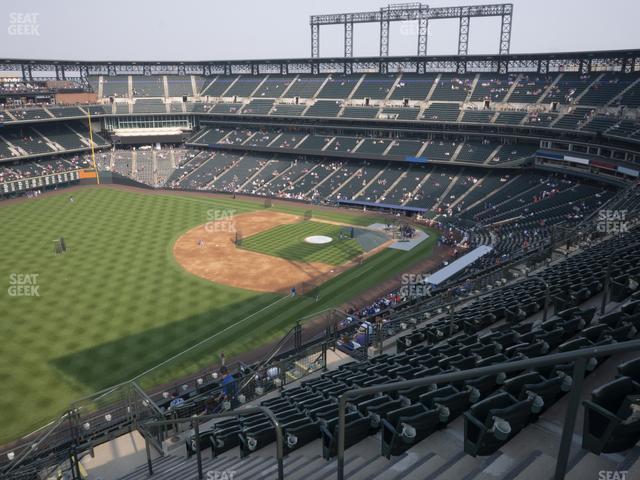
(626, 61)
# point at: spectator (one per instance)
(229, 386)
(176, 401)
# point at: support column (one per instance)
(384, 36)
(348, 37)
(423, 32)
(463, 35)
(315, 40)
(505, 30)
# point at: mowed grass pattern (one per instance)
(117, 303)
(287, 241)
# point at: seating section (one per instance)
(452, 87)
(568, 87)
(605, 89)
(442, 112)
(375, 86)
(244, 86)
(575, 119)
(287, 110)
(149, 105)
(61, 112)
(324, 108)
(147, 86)
(492, 87)
(116, 86)
(179, 85)
(510, 118)
(476, 152)
(360, 112)
(399, 113)
(478, 116)
(274, 86)
(530, 87)
(305, 86)
(413, 87)
(338, 86)
(226, 108)
(20, 170)
(217, 86)
(258, 107)
(30, 114)
(63, 135)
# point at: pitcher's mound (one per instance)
(318, 239)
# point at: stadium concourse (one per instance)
(524, 363)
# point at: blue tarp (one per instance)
(416, 159)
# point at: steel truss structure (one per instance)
(624, 61)
(419, 12)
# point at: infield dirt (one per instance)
(210, 252)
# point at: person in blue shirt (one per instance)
(229, 386)
(176, 401)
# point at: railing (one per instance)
(102, 416)
(197, 421)
(607, 277)
(580, 357)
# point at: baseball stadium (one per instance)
(380, 267)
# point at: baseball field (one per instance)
(135, 287)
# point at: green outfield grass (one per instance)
(287, 241)
(117, 303)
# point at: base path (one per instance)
(209, 251)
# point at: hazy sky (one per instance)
(252, 29)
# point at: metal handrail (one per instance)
(607, 276)
(579, 356)
(28, 451)
(232, 413)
